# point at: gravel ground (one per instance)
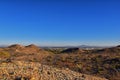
(21, 70)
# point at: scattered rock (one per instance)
(21, 70)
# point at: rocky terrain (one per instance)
(20, 70)
(33, 63)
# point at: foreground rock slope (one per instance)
(21, 70)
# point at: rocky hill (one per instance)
(25, 49)
(23, 53)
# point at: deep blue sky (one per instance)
(60, 22)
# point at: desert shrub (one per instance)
(49, 58)
(4, 54)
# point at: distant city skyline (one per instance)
(60, 22)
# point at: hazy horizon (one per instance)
(57, 45)
(60, 23)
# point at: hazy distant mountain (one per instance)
(81, 46)
(87, 46)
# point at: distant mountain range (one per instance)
(81, 46)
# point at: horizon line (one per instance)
(5, 45)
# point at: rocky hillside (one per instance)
(30, 49)
(98, 62)
(73, 50)
(19, 52)
(21, 70)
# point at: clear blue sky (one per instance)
(60, 22)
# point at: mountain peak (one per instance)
(15, 46)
